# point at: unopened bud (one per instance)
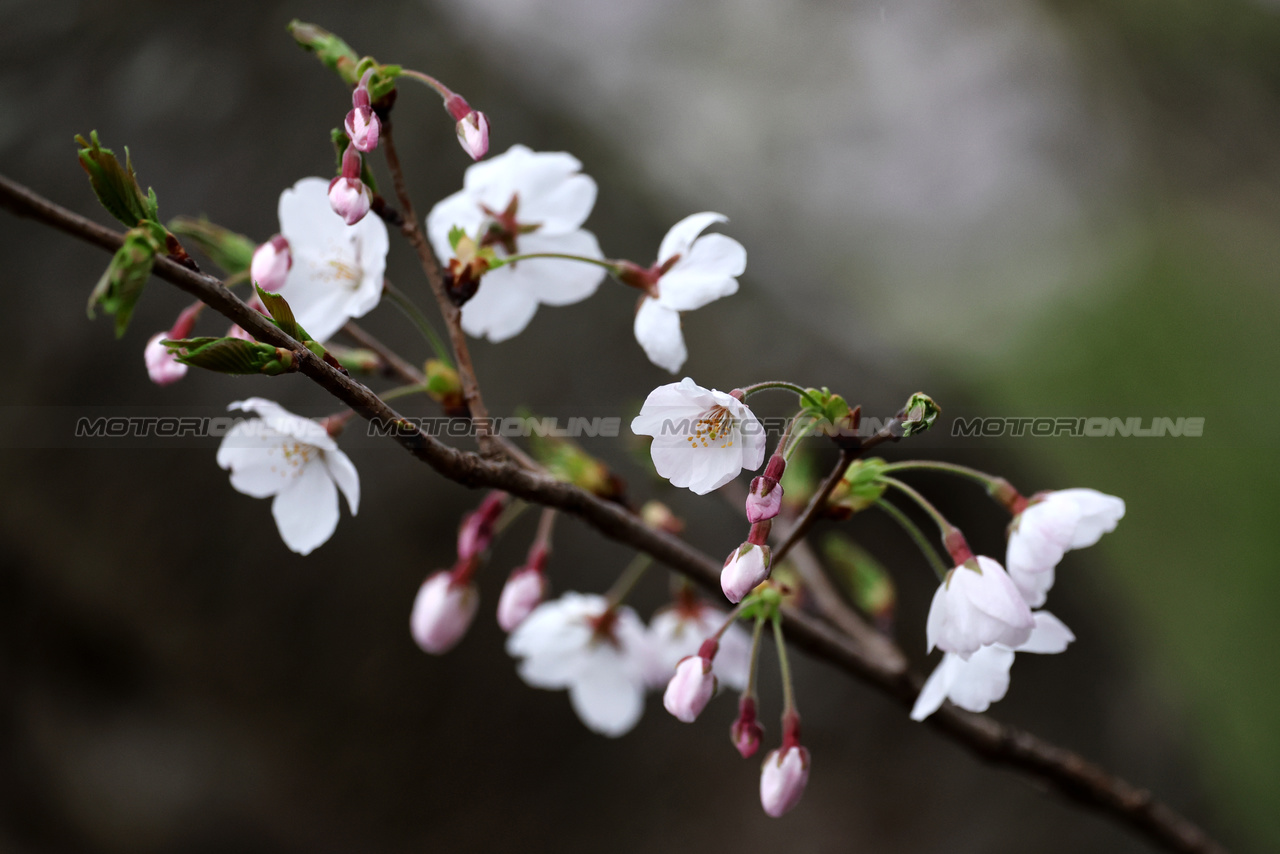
(764, 500)
(782, 779)
(746, 731)
(472, 127)
(476, 531)
(657, 515)
(271, 264)
(523, 592)
(442, 612)
(162, 366)
(746, 567)
(919, 414)
(690, 689)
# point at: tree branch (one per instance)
(1068, 773)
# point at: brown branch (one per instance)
(451, 313)
(1066, 772)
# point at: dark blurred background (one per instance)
(1064, 207)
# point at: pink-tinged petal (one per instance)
(1050, 635)
(935, 688)
(162, 367)
(473, 134)
(690, 689)
(1099, 514)
(1034, 586)
(747, 566)
(936, 623)
(442, 613)
(521, 594)
(783, 779)
(681, 236)
(657, 329)
(306, 511)
(271, 263)
(344, 474)
(502, 308)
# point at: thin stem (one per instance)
(799, 437)
(730, 619)
(788, 693)
(756, 632)
(546, 523)
(611, 266)
(442, 90)
(945, 528)
(765, 386)
(397, 365)
(626, 582)
(411, 311)
(917, 536)
(510, 514)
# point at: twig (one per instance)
(1068, 773)
(452, 314)
(399, 366)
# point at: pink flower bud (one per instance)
(271, 263)
(473, 134)
(442, 612)
(690, 689)
(746, 731)
(363, 127)
(475, 534)
(162, 367)
(746, 566)
(783, 778)
(520, 595)
(350, 199)
(765, 499)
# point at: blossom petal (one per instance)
(305, 215)
(461, 210)
(503, 306)
(344, 474)
(657, 328)
(252, 451)
(982, 680)
(606, 697)
(284, 422)
(307, 511)
(1099, 514)
(704, 275)
(552, 192)
(935, 688)
(1049, 636)
(681, 236)
(560, 282)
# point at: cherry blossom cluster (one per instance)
(514, 238)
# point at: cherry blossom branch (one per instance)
(452, 314)
(1068, 773)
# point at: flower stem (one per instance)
(917, 536)
(415, 315)
(510, 514)
(442, 90)
(626, 582)
(997, 487)
(756, 632)
(402, 391)
(788, 693)
(611, 266)
(952, 540)
(731, 618)
(765, 386)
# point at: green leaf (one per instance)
(278, 307)
(456, 233)
(231, 355)
(919, 414)
(328, 48)
(121, 285)
(116, 186)
(232, 252)
(864, 578)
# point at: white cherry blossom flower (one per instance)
(337, 269)
(702, 438)
(1052, 524)
(295, 460)
(983, 679)
(691, 271)
(975, 607)
(522, 202)
(572, 643)
(678, 632)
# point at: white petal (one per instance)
(704, 275)
(307, 511)
(733, 662)
(344, 474)
(657, 328)
(306, 219)
(503, 306)
(1099, 514)
(460, 209)
(982, 680)
(284, 422)
(935, 688)
(936, 623)
(606, 697)
(1034, 586)
(252, 451)
(681, 236)
(560, 282)
(552, 193)
(1049, 636)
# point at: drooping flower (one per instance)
(975, 606)
(690, 689)
(472, 127)
(522, 202)
(271, 263)
(598, 653)
(702, 438)
(983, 679)
(764, 499)
(678, 631)
(295, 460)
(1052, 524)
(746, 567)
(337, 268)
(785, 771)
(443, 609)
(690, 272)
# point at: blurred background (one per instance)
(1051, 208)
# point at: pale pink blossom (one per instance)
(690, 689)
(678, 631)
(162, 366)
(977, 605)
(523, 592)
(746, 567)
(782, 779)
(271, 263)
(443, 610)
(1051, 524)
